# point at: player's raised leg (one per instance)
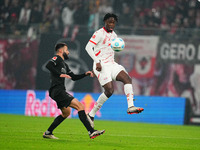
(128, 90)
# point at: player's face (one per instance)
(65, 52)
(110, 24)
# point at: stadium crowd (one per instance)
(16, 16)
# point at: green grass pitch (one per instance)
(19, 132)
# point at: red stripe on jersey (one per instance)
(93, 42)
(97, 53)
(106, 30)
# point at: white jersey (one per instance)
(102, 49)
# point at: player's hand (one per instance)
(98, 67)
(65, 76)
(89, 73)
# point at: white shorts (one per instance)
(108, 72)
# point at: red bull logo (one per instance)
(36, 107)
(89, 103)
(47, 107)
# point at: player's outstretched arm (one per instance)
(90, 51)
(75, 77)
(89, 73)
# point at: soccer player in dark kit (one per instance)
(59, 71)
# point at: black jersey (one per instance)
(57, 66)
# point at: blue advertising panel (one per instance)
(12, 101)
(162, 110)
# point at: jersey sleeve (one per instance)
(51, 66)
(96, 37)
(74, 76)
(94, 40)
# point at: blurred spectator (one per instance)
(186, 23)
(36, 15)
(157, 16)
(181, 7)
(81, 14)
(164, 20)
(4, 11)
(118, 5)
(192, 3)
(47, 16)
(59, 15)
(25, 14)
(56, 19)
(125, 16)
(197, 21)
(4, 15)
(138, 18)
(150, 19)
(67, 17)
(93, 20)
(14, 11)
(125, 19)
(191, 15)
(14, 17)
(104, 8)
(67, 14)
(178, 19)
(173, 29)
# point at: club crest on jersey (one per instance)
(93, 36)
(54, 58)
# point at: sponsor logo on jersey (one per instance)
(54, 58)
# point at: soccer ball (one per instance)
(117, 44)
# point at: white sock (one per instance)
(128, 90)
(101, 100)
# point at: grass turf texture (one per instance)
(24, 132)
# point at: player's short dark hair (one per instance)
(109, 15)
(59, 45)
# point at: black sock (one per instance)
(84, 120)
(55, 123)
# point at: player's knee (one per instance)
(109, 92)
(65, 115)
(129, 80)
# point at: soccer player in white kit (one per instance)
(106, 69)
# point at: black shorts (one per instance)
(62, 98)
